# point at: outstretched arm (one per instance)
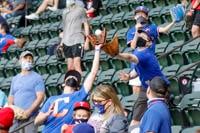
(95, 67)
(127, 57)
(166, 28)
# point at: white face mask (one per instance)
(69, 3)
(25, 65)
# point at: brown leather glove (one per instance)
(111, 48)
(96, 40)
(19, 113)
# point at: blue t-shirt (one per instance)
(153, 32)
(148, 66)
(3, 99)
(5, 42)
(24, 88)
(63, 110)
(157, 118)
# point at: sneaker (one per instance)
(32, 16)
(52, 8)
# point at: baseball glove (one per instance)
(177, 12)
(111, 48)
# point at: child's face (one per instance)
(81, 114)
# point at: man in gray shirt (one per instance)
(73, 41)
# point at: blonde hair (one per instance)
(107, 92)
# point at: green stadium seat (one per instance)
(164, 61)
(110, 34)
(173, 45)
(60, 83)
(117, 20)
(123, 88)
(3, 62)
(62, 66)
(122, 36)
(133, 4)
(128, 19)
(174, 87)
(154, 16)
(176, 129)
(26, 31)
(188, 72)
(178, 117)
(160, 3)
(112, 6)
(128, 103)
(148, 3)
(45, 77)
(105, 64)
(53, 31)
(51, 85)
(123, 6)
(177, 32)
(41, 47)
(44, 17)
(87, 60)
(31, 46)
(56, 16)
(95, 22)
(34, 32)
(40, 64)
(177, 58)
(165, 13)
(192, 56)
(43, 32)
(106, 76)
(172, 1)
(103, 10)
(13, 51)
(171, 70)
(105, 21)
(52, 65)
(5, 85)
(160, 48)
(194, 113)
(9, 67)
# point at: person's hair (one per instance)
(5, 27)
(107, 92)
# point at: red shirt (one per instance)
(198, 7)
(69, 129)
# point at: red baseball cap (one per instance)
(6, 119)
(82, 105)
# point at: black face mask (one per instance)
(72, 83)
(142, 20)
(141, 42)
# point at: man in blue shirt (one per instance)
(58, 110)
(146, 66)
(157, 118)
(3, 99)
(26, 93)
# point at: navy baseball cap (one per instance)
(142, 9)
(83, 128)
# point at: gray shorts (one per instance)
(140, 106)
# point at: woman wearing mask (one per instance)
(110, 117)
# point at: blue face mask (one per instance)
(77, 121)
(101, 108)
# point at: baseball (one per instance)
(98, 32)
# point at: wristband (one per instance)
(97, 49)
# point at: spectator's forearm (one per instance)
(166, 28)
(40, 118)
(37, 102)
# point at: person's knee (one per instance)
(195, 31)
